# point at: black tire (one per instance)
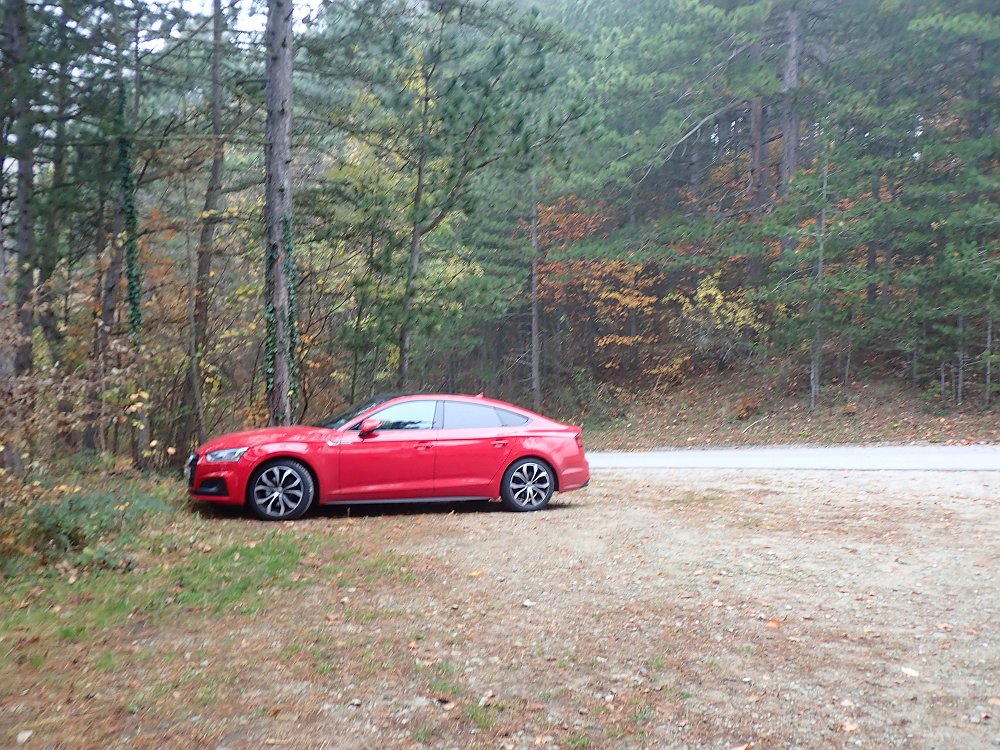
(281, 490)
(527, 485)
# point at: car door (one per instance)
(472, 448)
(394, 462)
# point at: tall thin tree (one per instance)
(23, 211)
(536, 353)
(214, 204)
(280, 271)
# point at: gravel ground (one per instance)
(731, 609)
(681, 609)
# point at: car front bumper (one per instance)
(217, 483)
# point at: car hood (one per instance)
(253, 438)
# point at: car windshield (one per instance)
(342, 417)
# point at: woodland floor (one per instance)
(683, 610)
(769, 406)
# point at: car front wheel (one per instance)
(281, 491)
(527, 484)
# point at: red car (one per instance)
(394, 449)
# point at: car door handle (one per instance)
(424, 446)
(499, 443)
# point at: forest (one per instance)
(223, 215)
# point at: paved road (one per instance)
(846, 458)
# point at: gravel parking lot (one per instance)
(731, 609)
(682, 609)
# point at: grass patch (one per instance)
(423, 734)
(50, 604)
(442, 687)
(484, 717)
(235, 578)
(290, 651)
(347, 568)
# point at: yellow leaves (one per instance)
(672, 369)
(613, 339)
(712, 309)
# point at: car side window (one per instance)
(510, 419)
(409, 415)
(459, 415)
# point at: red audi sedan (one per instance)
(394, 449)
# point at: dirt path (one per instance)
(686, 609)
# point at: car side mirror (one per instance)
(369, 426)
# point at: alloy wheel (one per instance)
(530, 485)
(279, 491)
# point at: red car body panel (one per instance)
(392, 465)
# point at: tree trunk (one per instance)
(105, 301)
(790, 121)
(887, 263)
(4, 120)
(816, 363)
(214, 204)
(130, 240)
(758, 150)
(960, 362)
(49, 253)
(886, 287)
(18, 361)
(873, 248)
(989, 351)
(695, 166)
(25, 252)
(416, 235)
(282, 344)
(24, 240)
(536, 354)
(758, 178)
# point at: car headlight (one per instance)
(226, 454)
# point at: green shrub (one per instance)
(86, 530)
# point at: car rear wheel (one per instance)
(527, 484)
(282, 490)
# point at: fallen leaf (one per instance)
(774, 624)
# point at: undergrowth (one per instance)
(79, 514)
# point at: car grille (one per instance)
(189, 468)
